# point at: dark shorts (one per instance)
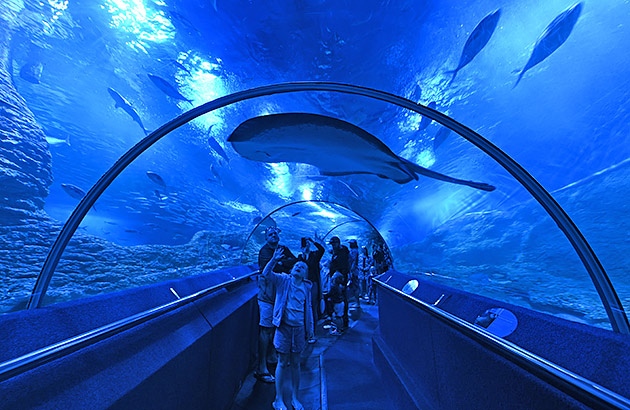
(290, 339)
(266, 313)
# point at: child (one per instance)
(293, 318)
(335, 299)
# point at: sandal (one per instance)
(264, 377)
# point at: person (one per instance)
(266, 297)
(371, 286)
(334, 304)
(312, 259)
(364, 266)
(293, 319)
(353, 260)
(379, 258)
(339, 263)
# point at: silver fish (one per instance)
(334, 146)
(156, 178)
(167, 88)
(58, 141)
(121, 102)
(555, 34)
(477, 41)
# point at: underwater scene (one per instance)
(82, 82)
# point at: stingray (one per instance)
(334, 146)
(555, 34)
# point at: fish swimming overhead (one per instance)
(121, 102)
(555, 34)
(156, 178)
(477, 41)
(440, 137)
(57, 141)
(217, 148)
(73, 190)
(334, 146)
(426, 121)
(32, 72)
(167, 88)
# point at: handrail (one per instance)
(578, 387)
(28, 361)
(601, 281)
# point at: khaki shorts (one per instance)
(266, 313)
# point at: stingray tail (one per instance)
(454, 72)
(518, 80)
(436, 175)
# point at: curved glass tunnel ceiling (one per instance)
(573, 138)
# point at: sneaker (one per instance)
(336, 332)
(328, 326)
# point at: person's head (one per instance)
(337, 279)
(272, 235)
(372, 270)
(300, 270)
(353, 244)
(335, 242)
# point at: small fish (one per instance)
(159, 195)
(215, 173)
(32, 72)
(156, 178)
(296, 214)
(167, 88)
(217, 148)
(440, 137)
(121, 102)
(426, 121)
(477, 41)
(180, 66)
(225, 246)
(57, 141)
(555, 34)
(131, 231)
(73, 190)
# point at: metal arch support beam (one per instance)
(321, 201)
(340, 225)
(610, 300)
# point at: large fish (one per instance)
(426, 121)
(74, 192)
(334, 146)
(555, 34)
(156, 178)
(167, 88)
(440, 137)
(217, 148)
(477, 41)
(121, 102)
(32, 72)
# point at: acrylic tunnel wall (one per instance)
(80, 85)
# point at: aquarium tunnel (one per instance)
(480, 148)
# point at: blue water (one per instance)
(566, 120)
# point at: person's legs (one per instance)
(295, 378)
(346, 319)
(265, 336)
(281, 373)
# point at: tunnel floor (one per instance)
(337, 371)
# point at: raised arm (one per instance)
(277, 255)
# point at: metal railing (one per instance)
(576, 386)
(46, 354)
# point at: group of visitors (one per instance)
(290, 291)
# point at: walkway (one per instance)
(337, 372)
